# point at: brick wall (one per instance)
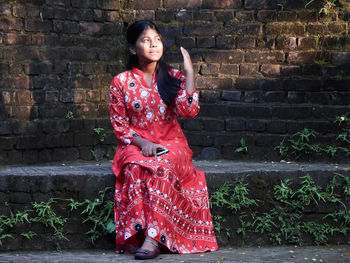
(265, 70)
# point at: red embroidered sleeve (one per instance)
(187, 105)
(118, 112)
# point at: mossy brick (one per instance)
(303, 57)
(206, 42)
(203, 15)
(15, 39)
(286, 42)
(246, 29)
(317, 29)
(108, 4)
(9, 24)
(243, 16)
(331, 42)
(287, 16)
(202, 29)
(165, 16)
(246, 42)
(307, 15)
(186, 42)
(307, 43)
(5, 9)
(279, 28)
(225, 42)
(267, 15)
(224, 15)
(337, 28)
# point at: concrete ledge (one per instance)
(22, 185)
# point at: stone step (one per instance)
(22, 185)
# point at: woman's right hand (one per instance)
(147, 148)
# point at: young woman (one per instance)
(160, 198)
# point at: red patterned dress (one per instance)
(164, 197)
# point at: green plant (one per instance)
(287, 221)
(327, 6)
(101, 134)
(69, 115)
(243, 147)
(47, 216)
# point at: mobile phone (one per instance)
(161, 151)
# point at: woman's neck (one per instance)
(148, 68)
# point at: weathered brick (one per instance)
(186, 42)
(231, 95)
(227, 42)
(317, 29)
(267, 42)
(24, 97)
(267, 15)
(229, 57)
(274, 96)
(265, 57)
(221, 4)
(184, 15)
(38, 26)
(224, 15)
(340, 57)
(263, 4)
(108, 4)
(200, 29)
(236, 124)
(339, 98)
(249, 69)
(204, 15)
(65, 154)
(285, 28)
(243, 29)
(214, 83)
(337, 28)
(168, 4)
(256, 125)
(8, 24)
(318, 97)
(206, 42)
(307, 15)
(209, 95)
(165, 15)
(332, 42)
(209, 69)
(301, 57)
(286, 42)
(210, 153)
(245, 42)
(19, 11)
(253, 96)
(229, 69)
(79, 96)
(83, 3)
(307, 42)
(91, 28)
(287, 16)
(270, 69)
(244, 16)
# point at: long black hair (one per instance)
(167, 85)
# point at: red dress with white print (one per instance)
(163, 197)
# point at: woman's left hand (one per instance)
(188, 68)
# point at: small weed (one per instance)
(243, 147)
(69, 115)
(101, 134)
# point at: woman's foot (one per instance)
(150, 249)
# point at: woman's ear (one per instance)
(132, 50)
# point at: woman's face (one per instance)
(148, 47)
